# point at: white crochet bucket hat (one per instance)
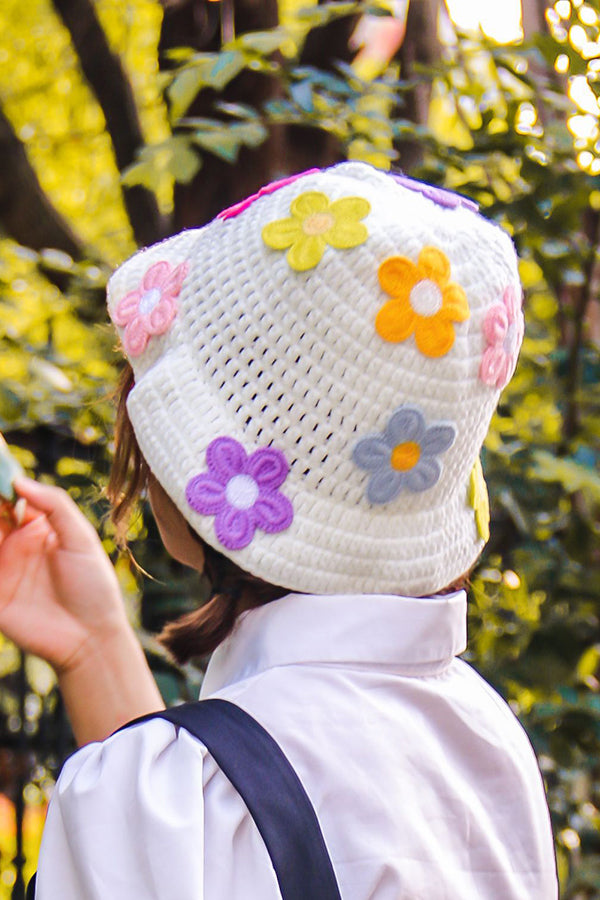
(315, 372)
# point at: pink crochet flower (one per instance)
(503, 331)
(150, 308)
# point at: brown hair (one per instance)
(129, 471)
(232, 591)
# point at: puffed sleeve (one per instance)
(126, 820)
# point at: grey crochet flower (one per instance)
(404, 456)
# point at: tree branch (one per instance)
(26, 213)
(107, 79)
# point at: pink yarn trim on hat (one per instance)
(238, 208)
(150, 308)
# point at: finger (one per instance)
(65, 517)
(22, 491)
(14, 515)
(6, 526)
(28, 536)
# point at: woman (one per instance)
(314, 373)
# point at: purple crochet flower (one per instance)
(240, 491)
(442, 197)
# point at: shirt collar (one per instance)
(405, 635)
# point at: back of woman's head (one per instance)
(315, 372)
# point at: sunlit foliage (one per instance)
(513, 126)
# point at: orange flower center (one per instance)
(426, 298)
(405, 456)
(318, 223)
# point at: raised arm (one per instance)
(60, 599)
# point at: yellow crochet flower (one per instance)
(424, 302)
(479, 500)
(314, 223)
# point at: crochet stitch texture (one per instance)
(289, 359)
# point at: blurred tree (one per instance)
(421, 47)
(122, 122)
(105, 75)
(197, 24)
(26, 212)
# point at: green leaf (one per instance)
(302, 95)
(213, 70)
(183, 90)
(201, 123)
(283, 112)
(317, 77)
(238, 110)
(226, 141)
(185, 162)
(228, 64)
(571, 474)
(223, 144)
(141, 173)
(175, 157)
(263, 42)
(252, 134)
(316, 17)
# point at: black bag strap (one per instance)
(261, 773)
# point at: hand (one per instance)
(60, 599)
(58, 588)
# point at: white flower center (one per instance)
(241, 491)
(426, 298)
(509, 344)
(149, 300)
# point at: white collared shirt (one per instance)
(424, 783)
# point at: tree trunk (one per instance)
(107, 79)
(308, 147)
(533, 16)
(195, 23)
(26, 213)
(421, 46)
(578, 304)
(533, 19)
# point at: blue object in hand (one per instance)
(9, 470)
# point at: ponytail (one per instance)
(198, 633)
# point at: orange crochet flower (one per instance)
(424, 302)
